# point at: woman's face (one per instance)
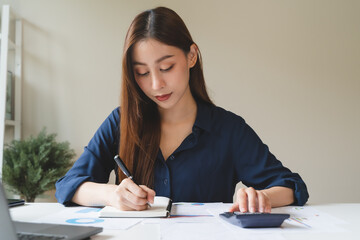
(162, 71)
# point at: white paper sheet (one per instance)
(191, 222)
(196, 221)
(87, 216)
(208, 231)
(193, 209)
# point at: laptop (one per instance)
(13, 230)
(15, 202)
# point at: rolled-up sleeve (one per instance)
(262, 169)
(95, 163)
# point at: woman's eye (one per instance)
(142, 74)
(167, 69)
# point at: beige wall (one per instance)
(290, 68)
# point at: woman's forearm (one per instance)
(93, 194)
(280, 196)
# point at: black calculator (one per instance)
(254, 220)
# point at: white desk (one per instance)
(347, 212)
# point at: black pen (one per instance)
(123, 168)
(126, 171)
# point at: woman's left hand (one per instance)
(251, 200)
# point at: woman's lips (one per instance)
(163, 97)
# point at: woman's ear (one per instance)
(192, 55)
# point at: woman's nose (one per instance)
(157, 81)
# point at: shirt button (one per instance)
(172, 157)
(165, 181)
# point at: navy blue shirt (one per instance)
(221, 151)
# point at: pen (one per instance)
(123, 168)
(126, 171)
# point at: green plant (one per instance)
(32, 166)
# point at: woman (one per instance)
(171, 136)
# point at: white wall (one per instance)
(290, 68)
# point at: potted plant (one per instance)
(32, 166)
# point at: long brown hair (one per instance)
(140, 121)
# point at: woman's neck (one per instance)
(185, 110)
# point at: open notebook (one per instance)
(160, 208)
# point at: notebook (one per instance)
(160, 208)
(12, 230)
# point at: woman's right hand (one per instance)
(129, 196)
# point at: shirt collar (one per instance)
(203, 116)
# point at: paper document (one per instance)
(197, 221)
(202, 221)
(87, 216)
(193, 209)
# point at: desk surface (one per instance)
(348, 212)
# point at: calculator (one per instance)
(254, 220)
